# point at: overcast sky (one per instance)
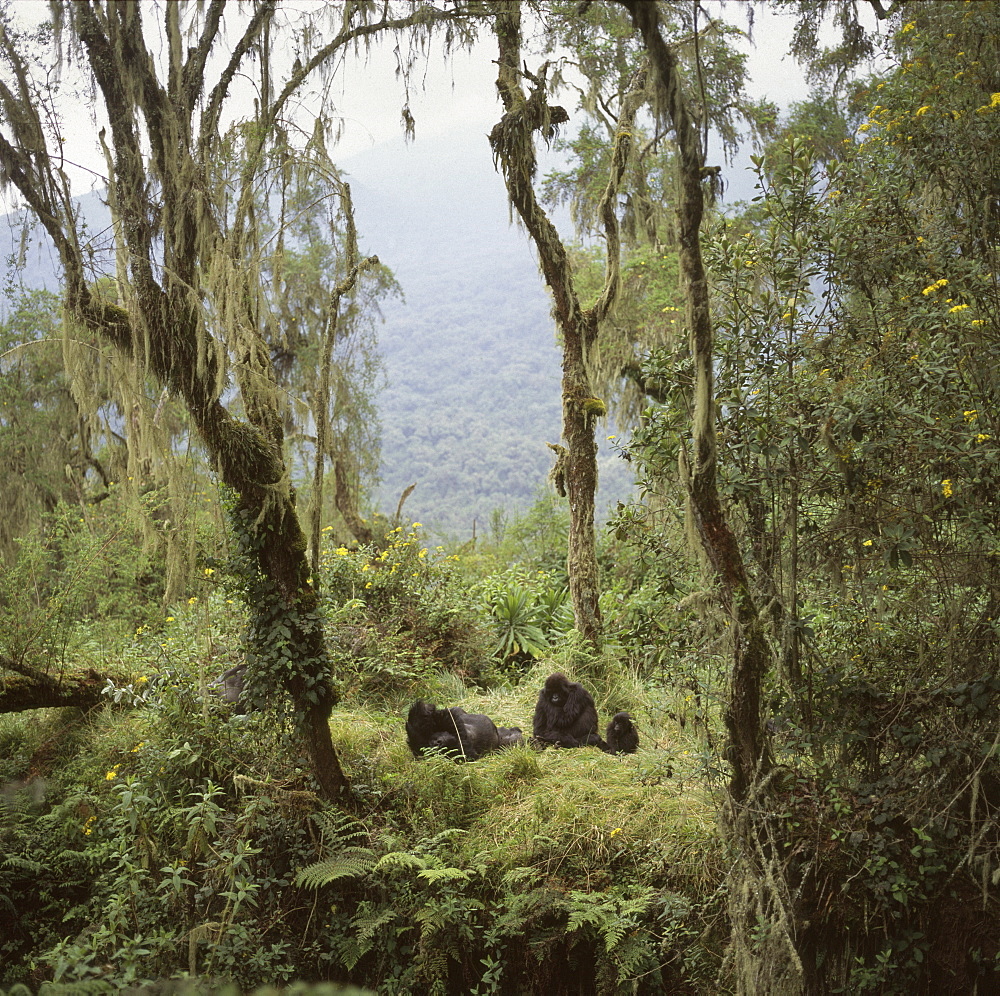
(458, 94)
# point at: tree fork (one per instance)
(512, 140)
(749, 751)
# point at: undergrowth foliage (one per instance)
(406, 612)
(169, 838)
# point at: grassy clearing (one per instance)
(577, 815)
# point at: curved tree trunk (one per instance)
(762, 955)
(193, 304)
(513, 140)
(167, 238)
(749, 752)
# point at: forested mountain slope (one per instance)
(472, 361)
(472, 393)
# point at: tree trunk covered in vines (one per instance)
(752, 658)
(513, 141)
(190, 306)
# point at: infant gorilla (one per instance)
(455, 731)
(565, 716)
(621, 734)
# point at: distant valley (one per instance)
(471, 354)
(472, 362)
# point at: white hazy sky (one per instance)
(460, 93)
(454, 95)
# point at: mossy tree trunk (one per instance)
(513, 145)
(192, 307)
(751, 652)
(757, 960)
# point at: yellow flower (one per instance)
(209, 571)
(341, 551)
(170, 618)
(958, 307)
(110, 776)
(192, 600)
(911, 26)
(982, 437)
(422, 553)
(971, 415)
(946, 488)
(937, 285)
(867, 543)
(920, 111)
(616, 832)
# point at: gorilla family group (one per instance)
(565, 716)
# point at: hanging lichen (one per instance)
(512, 140)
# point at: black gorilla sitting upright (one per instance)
(455, 731)
(622, 736)
(565, 714)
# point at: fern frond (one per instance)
(444, 875)
(347, 863)
(338, 828)
(22, 864)
(352, 947)
(396, 860)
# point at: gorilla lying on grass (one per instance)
(467, 735)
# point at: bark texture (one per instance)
(749, 752)
(513, 141)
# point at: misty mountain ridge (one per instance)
(472, 363)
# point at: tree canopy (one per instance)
(798, 608)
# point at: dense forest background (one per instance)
(717, 471)
(470, 391)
